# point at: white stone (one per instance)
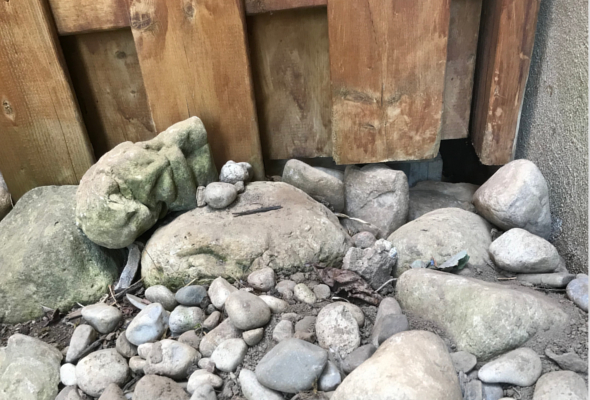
(98, 370)
(184, 319)
(225, 330)
(229, 354)
(161, 294)
(233, 172)
(282, 331)
(277, 306)
(304, 294)
(253, 337)
(203, 377)
(521, 252)
(218, 292)
(102, 317)
(337, 330)
(82, 337)
(561, 385)
(330, 378)
(253, 390)
(262, 279)
(171, 358)
(204, 392)
(521, 367)
(246, 310)
(149, 325)
(67, 374)
(219, 195)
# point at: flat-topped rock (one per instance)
(203, 244)
(484, 319)
(521, 252)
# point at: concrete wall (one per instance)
(554, 122)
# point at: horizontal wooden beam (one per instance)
(263, 6)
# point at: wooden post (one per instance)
(387, 63)
(194, 60)
(503, 60)
(42, 137)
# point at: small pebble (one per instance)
(304, 294)
(262, 279)
(191, 338)
(212, 320)
(253, 337)
(191, 296)
(125, 347)
(161, 294)
(322, 291)
(102, 317)
(67, 374)
(282, 331)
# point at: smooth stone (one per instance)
(516, 196)
(98, 370)
(378, 195)
(577, 291)
(400, 369)
(282, 331)
(253, 390)
(568, 361)
(439, 235)
(204, 392)
(191, 296)
(262, 279)
(521, 367)
(492, 391)
(225, 330)
(522, 252)
(191, 338)
(219, 290)
(29, 369)
(82, 337)
(388, 306)
(147, 326)
(137, 365)
(463, 361)
(304, 294)
(561, 385)
(212, 320)
(318, 184)
(69, 393)
(67, 374)
(291, 366)
(184, 319)
(554, 280)
(473, 390)
(277, 306)
(136, 302)
(482, 318)
(306, 324)
(112, 392)
(161, 294)
(388, 326)
(355, 310)
(206, 363)
(246, 310)
(336, 173)
(337, 330)
(322, 292)
(125, 347)
(282, 286)
(427, 196)
(171, 358)
(253, 337)
(219, 195)
(330, 378)
(291, 316)
(357, 357)
(363, 240)
(101, 317)
(240, 187)
(203, 377)
(233, 172)
(154, 387)
(229, 354)
(374, 264)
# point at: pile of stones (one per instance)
(238, 303)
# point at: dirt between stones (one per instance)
(57, 331)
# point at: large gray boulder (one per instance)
(29, 369)
(45, 260)
(130, 187)
(439, 235)
(516, 196)
(378, 195)
(320, 185)
(412, 365)
(484, 319)
(427, 196)
(203, 244)
(5, 199)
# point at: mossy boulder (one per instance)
(205, 243)
(133, 185)
(45, 260)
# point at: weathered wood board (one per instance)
(387, 64)
(461, 54)
(107, 78)
(42, 138)
(263, 6)
(504, 55)
(291, 71)
(194, 60)
(79, 16)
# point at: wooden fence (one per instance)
(360, 81)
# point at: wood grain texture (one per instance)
(42, 138)
(263, 6)
(107, 79)
(461, 54)
(387, 63)
(79, 16)
(291, 71)
(194, 60)
(504, 54)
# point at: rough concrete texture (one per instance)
(553, 129)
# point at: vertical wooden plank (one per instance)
(504, 54)
(78, 16)
(42, 137)
(387, 63)
(194, 60)
(107, 78)
(291, 70)
(461, 53)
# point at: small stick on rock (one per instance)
(257, 210)
(382, 286)
(506, 279)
